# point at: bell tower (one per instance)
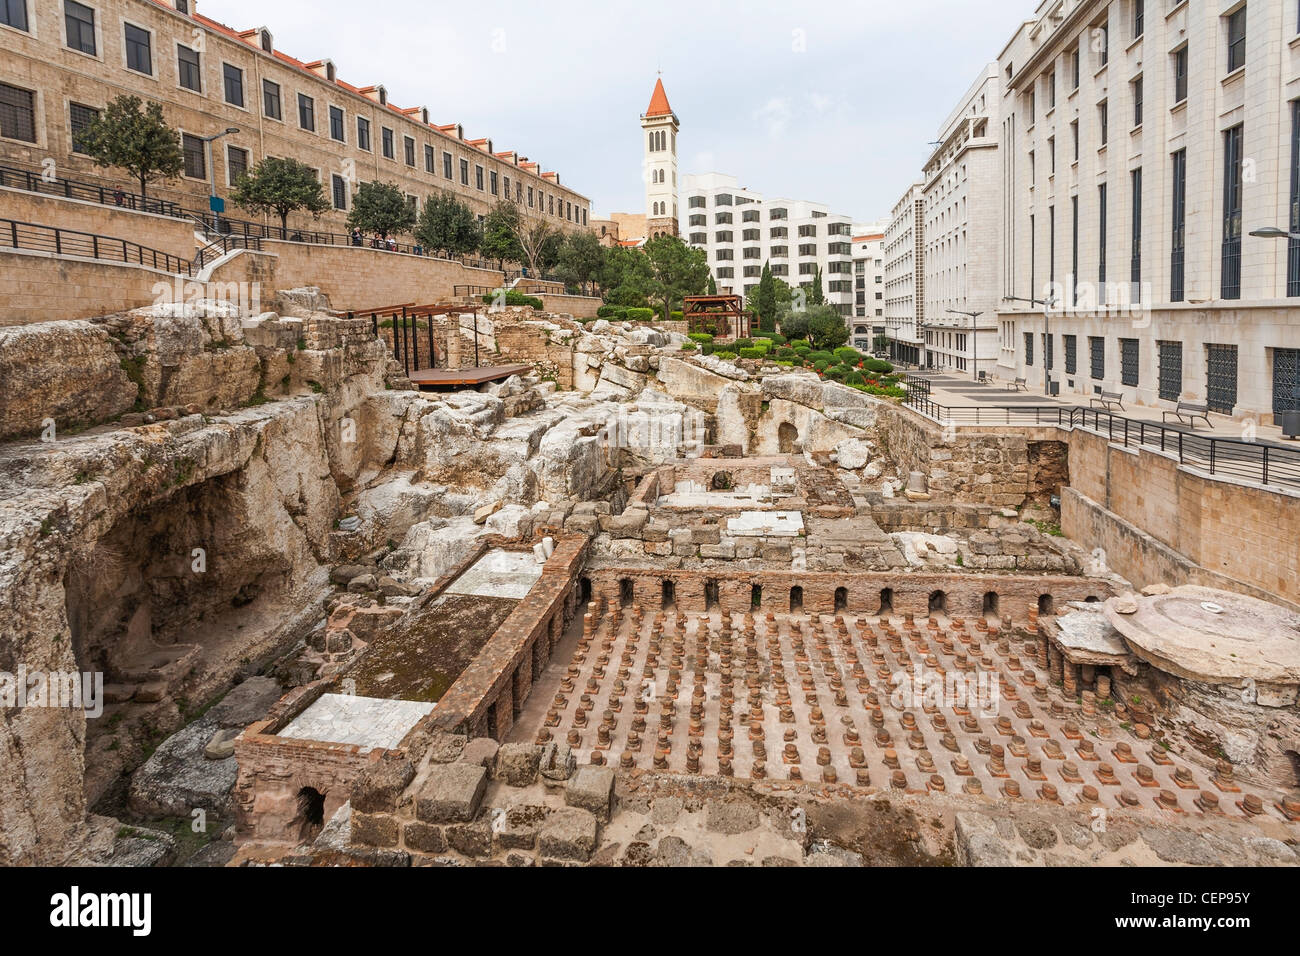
(659, 140)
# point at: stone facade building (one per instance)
(65, 60)
(905, 277)
(659, 125)
(1142, 143)
(960, 234)
(740, 230)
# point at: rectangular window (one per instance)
(17, 113)
(1179, 226)
(13, 13)
(1029, 348)
(478, 177)
(1097, 357)
(188, 73)
(1101, 244)
(192, 148)
(1049, 358)
(363, 134)
(336, 124)
(1071, 354)
(1135, 235)
(79, 120)
(1074, 247)
(1075, 59)
(1128, 361)
(79, 20)
(1051, 90)
(386, 143)
(1293, 244)
(446, 165)
(232, 78)
(1139, 18)
(1180, 75)
(1169, 355)
(1230, 282)
(1103, 35)
(492, 179)
(236, 163)
(139, 49)
(1051, 155)
(1074, 141)
(1051, 244)
(408, 150)
(464, 172)
(1221, 377)
(1237, 39)
(530, 197)
(339, 188)
(1103, 121)
(1137, 101)
(306, 113)
(1033, 259)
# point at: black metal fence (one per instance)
(220, 247)
(35, 182)
(1264, 463)
(402, 323)
(69, 242)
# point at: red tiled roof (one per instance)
(659, 101)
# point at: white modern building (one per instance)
(904, 279)
(740, 230)
(960, 233)
(1142, 144)
(868, 320)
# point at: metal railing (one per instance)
(403, 323)
(1263, 463)
(69, 242)
(219, 247)
(44, 184)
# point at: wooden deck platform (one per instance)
(464, 377)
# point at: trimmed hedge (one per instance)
(514, 297)
(640, 315)
(877, 365)
(826, 357)
(752, 353)
(700, 337)
(725, 355)
(849, 355)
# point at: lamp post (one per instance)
(212, 171)
(1047, 317)
(974, 352)
(1289, 419)
(1273, 232)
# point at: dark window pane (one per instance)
(139, 51)
(80, 117)
(80, 22)
(187, 69)
(233, 78)
(13, 13)
(17, 113)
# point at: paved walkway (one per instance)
(958, 391)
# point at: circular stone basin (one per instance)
(1212, 636)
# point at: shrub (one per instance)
(801, 345)
(640, 315)
(514, 297)
(838, 372)
(700, 337)
(725, 355)
(877, 365)
(688, 346)
(849, 355)
(743, 344)
(821, 365)
(605, 311)
(675, 315)
(752, 353)
(826, 357)
(776, 337)
(854, 378)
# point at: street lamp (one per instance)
(1273, 232)
(1047, 316)
(212, 172)
(974, 354)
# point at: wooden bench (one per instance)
(1188, 412)
(1018, 385)
(1107, 400)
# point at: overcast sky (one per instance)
(830, 102)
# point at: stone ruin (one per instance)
(635, 607)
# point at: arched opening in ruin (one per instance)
(938, 602)
(755, 596)
(841, 599)
(990, 603)
(669, 594)
(311, 813)
(1091, 599)
(626, 592)
(722, 481)
(584, 591)
(886, 602)
(710, 595)
(1045, 604)
(787, 436)
(1293, 766)
(796, 599)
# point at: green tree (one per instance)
(764, 300)
(133, 136)
(815, 294)
(448, 226)
(580, 260)
(500, 235)
(676, 270)
(381, 208)
(280, 186)
(712, 288)
(826, 328)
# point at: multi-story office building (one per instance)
(960, 235)
(904, 283)
(1142, 144)
(740, 230)
(62, 61)
(868, 320)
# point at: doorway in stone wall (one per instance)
(787, 436)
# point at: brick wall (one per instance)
(41, 287)
(172, 236)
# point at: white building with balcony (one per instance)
(904, 278)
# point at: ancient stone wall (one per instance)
(578, 306)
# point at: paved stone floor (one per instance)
(818, 699)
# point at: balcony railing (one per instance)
(69, 242)
(44, 184)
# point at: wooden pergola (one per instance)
(721, 316)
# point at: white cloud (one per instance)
(774, 116)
